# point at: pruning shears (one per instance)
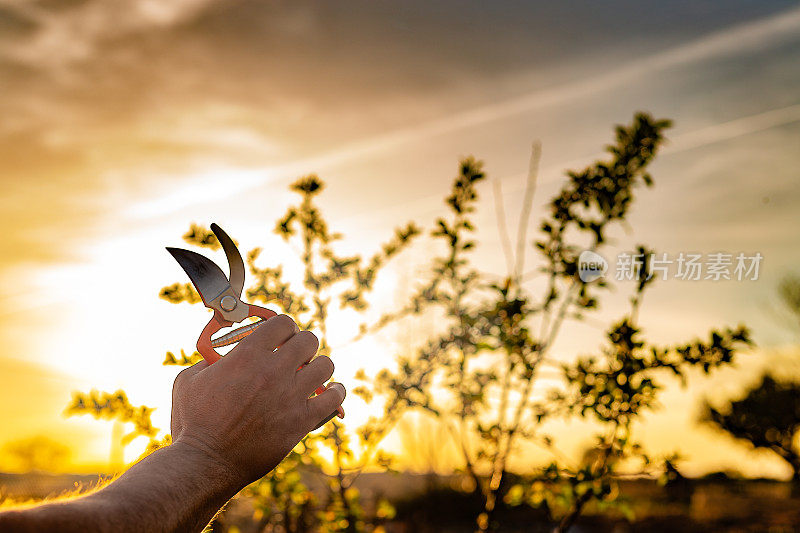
(223, 296)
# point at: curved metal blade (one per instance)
(206, 276)
(234, 259)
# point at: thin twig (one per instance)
(500, 212)
(530, 188)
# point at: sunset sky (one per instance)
(123, 122)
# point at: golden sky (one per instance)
(122, 122)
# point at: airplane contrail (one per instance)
(675, 144)
(733, 128)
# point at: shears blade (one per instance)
(206, 276)
(235, 263)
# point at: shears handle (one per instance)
(206, 349)
(204, 345)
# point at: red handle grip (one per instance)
(261, 312)
(216, 323)
(204, 341)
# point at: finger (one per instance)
(321, 407)
(313, 375)
(297, 351)
(274, 332)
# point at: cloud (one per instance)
(60, 34)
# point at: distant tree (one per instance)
(35, 453)
(789, 292)
(767, 417)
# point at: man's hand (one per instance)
(249, 409)
(232, 422)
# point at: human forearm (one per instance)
(177, 488)
(232, 422)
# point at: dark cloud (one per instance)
(310, 72)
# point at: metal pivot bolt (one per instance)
(228, 303)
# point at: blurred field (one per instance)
(429, 503)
